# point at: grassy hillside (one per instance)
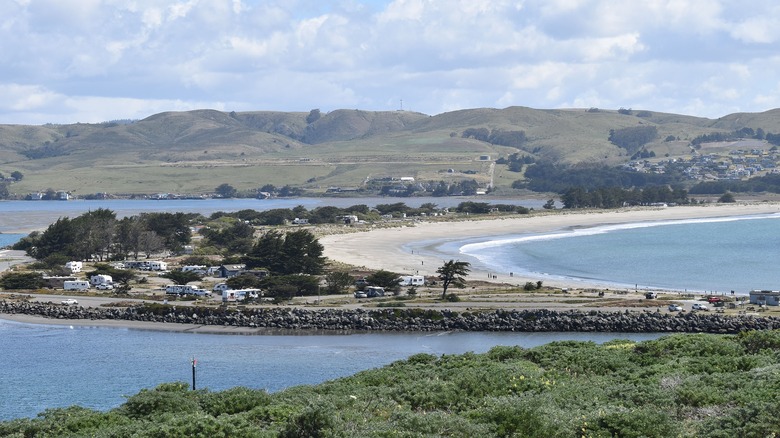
(195, 151)
(680, 385)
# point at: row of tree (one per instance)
(99, 235)
(549, 177)
(768, 183)
(613, 197)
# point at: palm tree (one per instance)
(453, 273)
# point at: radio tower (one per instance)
(402, 104)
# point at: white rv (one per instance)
(157, 266)
(186, 289)
(100, 279)
(79, 285)
(413, 280)
(74, 266)
(229, 296)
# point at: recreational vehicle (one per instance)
(79, 285)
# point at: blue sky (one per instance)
(66, 61)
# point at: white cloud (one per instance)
(80, 58)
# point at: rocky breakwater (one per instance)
(408, 319)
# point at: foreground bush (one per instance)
(679, 385)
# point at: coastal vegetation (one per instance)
(678, 385)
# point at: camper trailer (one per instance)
(100, 279)
(78, 285)
(73, 266)
(412, 280)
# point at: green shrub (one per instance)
(314, 422)
(166, 398)
(233, 401)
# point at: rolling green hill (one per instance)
(195, 151)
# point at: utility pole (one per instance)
(194, 364)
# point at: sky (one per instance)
(68, 61)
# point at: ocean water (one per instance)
(31, 215)
(9, 239)
(48, 366)
(703, 255)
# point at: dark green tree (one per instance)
(182, 277)
(235, 238)
(18, 175)
(726, 198)
(173, 228)
(57, 238)
(266, 252)
(338, 281)
(297, 252)
(244, 281)
(22, 280)
(386, 279)
(225, 190)
(302, 253)
(313, 116)
(122, 276)
(453, 273)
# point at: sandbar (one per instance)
(389, 248)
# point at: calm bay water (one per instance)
(30, 215)
(720, 255)
(46, 366)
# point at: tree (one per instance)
(182, 277)
(236, 237)
(225, 190)
(18, 175)
(453, 273)
(313, 116)
(727, 197)
(173, 228)
(22, 280)
(297, 252)
(265, 253)
(122, 276)
(338, 281)
(385, 279)
(302, 253)
(57, 238)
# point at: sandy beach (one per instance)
(388, 248)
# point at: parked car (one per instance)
(104, 286)
(675, 308)
(699, 306)
(361, 294)
(70, 302)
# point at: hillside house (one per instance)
(227, 271)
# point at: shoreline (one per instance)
(393, 249)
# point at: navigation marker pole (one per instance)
(194, 364)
